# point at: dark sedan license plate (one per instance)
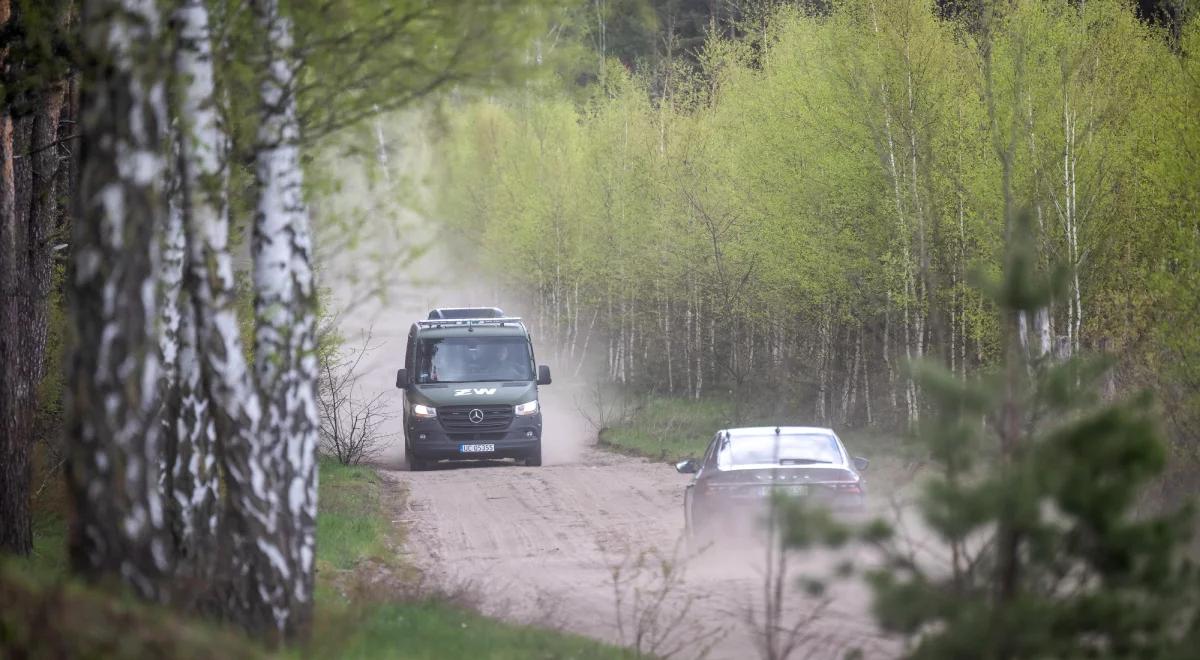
(476, 449)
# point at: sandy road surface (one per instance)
(539, 545)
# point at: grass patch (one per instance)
(672, 429)
(351, 525)
(50, 617)
(49, 508)
(433, 629)
(669, 428)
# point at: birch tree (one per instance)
(857, 152)
(253, 569)
(120, 527)
(285, 319)
(196, 262)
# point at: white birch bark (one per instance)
(218, 410)
(114, 431)
(174, 254)
(189, 478)
(285, 339)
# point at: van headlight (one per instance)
(527, 408)
(419, 410)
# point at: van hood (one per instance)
(473, 394)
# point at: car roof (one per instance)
(783, 430)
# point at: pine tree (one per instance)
(1033, 499)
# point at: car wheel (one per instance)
(417, 464)
(534, 459)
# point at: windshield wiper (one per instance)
(802, 461)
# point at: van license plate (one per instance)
(469, 449)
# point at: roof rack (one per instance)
(465, 313)
(451, 323)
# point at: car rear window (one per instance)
(780, 449)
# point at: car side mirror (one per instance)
(543, 375)
(401, 378)
(861, 463)
(687, 466)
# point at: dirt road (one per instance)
(544, 545)
(591, 542)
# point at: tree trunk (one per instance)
(114, 432)
(196, 206)
(28, 215)
(190, 479)
(285, 341)
(16, 534)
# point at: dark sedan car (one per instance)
(742, 468)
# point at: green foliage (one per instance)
(39, 50)
(831, 180)
(362, 58)
(1038, 549)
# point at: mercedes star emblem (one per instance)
(476, 415)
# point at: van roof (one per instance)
(498, 327)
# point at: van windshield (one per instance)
(473, 359)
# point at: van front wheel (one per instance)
(534, 459)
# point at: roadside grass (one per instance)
(675, 428)
(46, 616)
(351, 524)
(671, 429)
(430, 629)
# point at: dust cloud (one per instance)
(590, 540)
(390, 262)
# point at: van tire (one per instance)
(534, 459)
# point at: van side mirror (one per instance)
(687, 466)
(543, 375)
(861, 463)
(401, 378)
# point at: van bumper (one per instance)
(427, 440)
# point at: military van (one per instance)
(471, 389)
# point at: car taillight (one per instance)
(849, 487)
